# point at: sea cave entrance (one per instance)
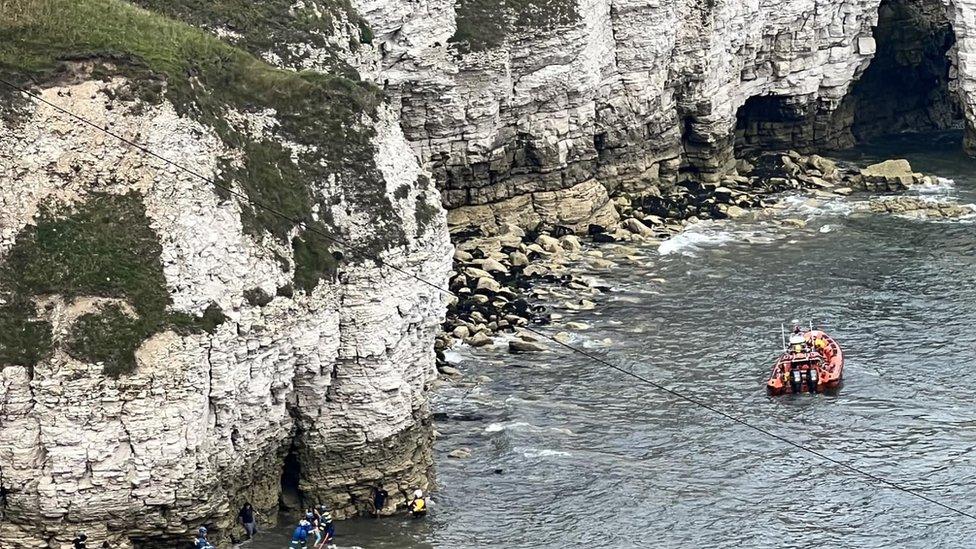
(908, 87)
(291, 474)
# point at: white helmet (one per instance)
(797, 339)
(418, 493)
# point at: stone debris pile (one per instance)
(518, 278)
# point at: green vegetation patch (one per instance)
(485, 24)
(313, 261)
(25, 339)
(101, 248)
(327, 117)
(272, 25)
(109, 336)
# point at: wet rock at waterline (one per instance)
(890, 175)
(911, 206)
(497, 275)
(525, 346)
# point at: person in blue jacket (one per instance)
(201, 541)
(299, 538)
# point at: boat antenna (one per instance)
(782, 329)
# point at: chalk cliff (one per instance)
(531, 112)
(168, 349)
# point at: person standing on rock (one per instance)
(247, 519)
(80, 542)
(379, 500)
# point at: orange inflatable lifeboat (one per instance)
(813, 363)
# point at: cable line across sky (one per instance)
(350, 249)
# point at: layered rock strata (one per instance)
(252, 336)
(567, 102)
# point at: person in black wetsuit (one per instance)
(379, 500)
(80, 542)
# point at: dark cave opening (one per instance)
(774, 122)
(291, 474)
(907, 87)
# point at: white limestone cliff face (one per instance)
(627, 94)
(205, 421)
(962, 17)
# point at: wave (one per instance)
(804, 204)
(942, 185)
(524, 426)
(693, 239)
(518, 425)
(543, 452)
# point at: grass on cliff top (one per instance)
(103, 248)
(327, 115)
(485, 24)
(271, 25)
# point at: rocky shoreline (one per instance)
(519, 278)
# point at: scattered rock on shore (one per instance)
(889, 176)
(525, 346)
(919, 207)
(495, 275)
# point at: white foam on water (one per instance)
(695, 238)
(517, 426)
(543, 452)
(801, 204)
(942, 185)
(826, 229)
(524, 426)
(455, 357)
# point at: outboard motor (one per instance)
(812, 380)
(796, 380)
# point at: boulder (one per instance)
(518, 259)
(890, 175)
(524, 346)
(548, 243)
(735, 212)
(637, 227)
(571, 243)
(475, 273)
(479, 339)
(920, 208)
(488, 284)
(493, 266)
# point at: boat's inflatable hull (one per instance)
(829, 375)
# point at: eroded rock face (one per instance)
(632, 94)
(338, 373)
